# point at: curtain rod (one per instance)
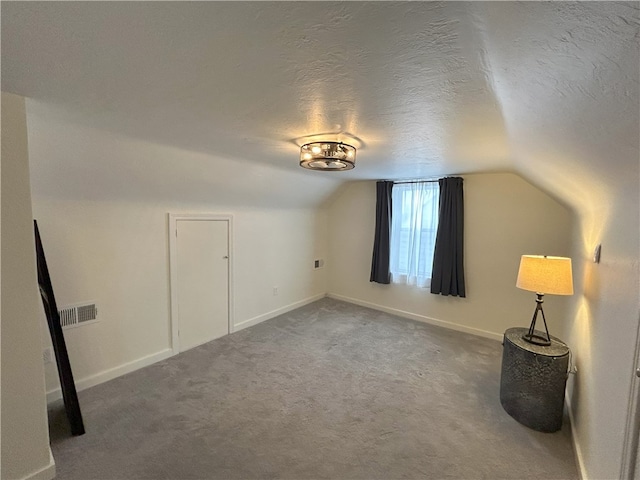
(413, 181)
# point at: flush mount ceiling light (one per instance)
(328, 156)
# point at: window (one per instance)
(414, 223)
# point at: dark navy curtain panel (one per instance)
(382, 241)
(448, 260)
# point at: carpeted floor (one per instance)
(330, 390)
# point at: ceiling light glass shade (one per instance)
(542, 274)
(327, 156)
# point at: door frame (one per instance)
(173, 219)
(631, 446)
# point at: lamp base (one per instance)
(536, 339)
(531, 335)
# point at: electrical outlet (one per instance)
(275, 291)
(47, 355)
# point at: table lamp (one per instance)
(543, 274)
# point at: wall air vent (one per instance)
(80, 314)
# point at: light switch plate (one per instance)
(47, 355)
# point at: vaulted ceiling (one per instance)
(546, 89)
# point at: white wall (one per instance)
(505, 217)
(117, 255)
(603, 329)
(25, 433)
(106, 239)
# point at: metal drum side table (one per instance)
(533, 380)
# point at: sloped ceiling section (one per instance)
(567, 76)
(423, 88)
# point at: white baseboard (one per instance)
(112, 373)
(45, 473)
(275, 313)
(577, 451)
(420, 318)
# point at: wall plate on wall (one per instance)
(596, 254)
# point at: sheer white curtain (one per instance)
(414, 223)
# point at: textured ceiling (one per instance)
(423, 88)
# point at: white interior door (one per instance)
(202, 251)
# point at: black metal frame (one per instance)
(531, 336)
(69, 394)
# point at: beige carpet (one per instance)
(330, 390)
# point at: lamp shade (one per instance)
(544, 274)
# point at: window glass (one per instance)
(414, 223)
